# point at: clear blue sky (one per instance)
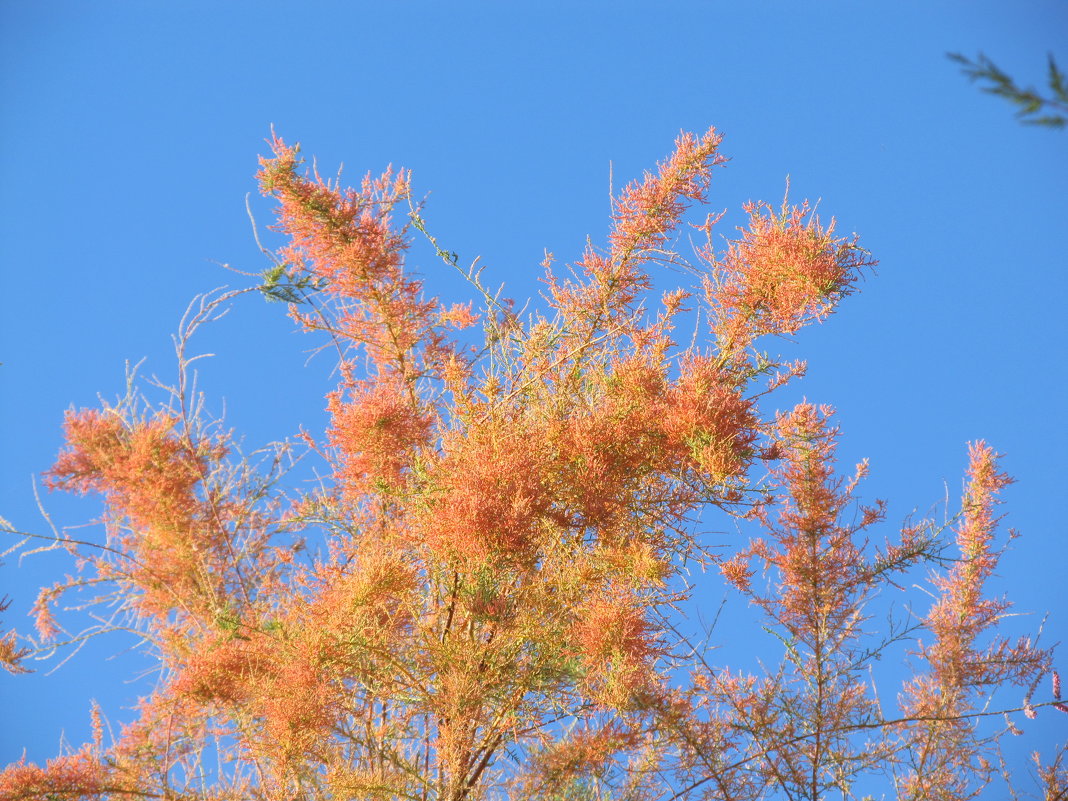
(130, 133)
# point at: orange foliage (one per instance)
(615, 644)
(506, 536)
(784, 272)
(377, 431)
(78, 776)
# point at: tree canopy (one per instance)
(482, 597)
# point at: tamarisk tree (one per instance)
(482, 599)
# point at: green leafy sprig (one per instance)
(1032, 107)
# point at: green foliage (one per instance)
(229, 621)
(279, 287)
(576, 790)
(448, 256)
(1031, 107)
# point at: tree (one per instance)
(479, 602)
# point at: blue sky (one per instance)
(130, 134)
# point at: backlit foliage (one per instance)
(484, 598)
